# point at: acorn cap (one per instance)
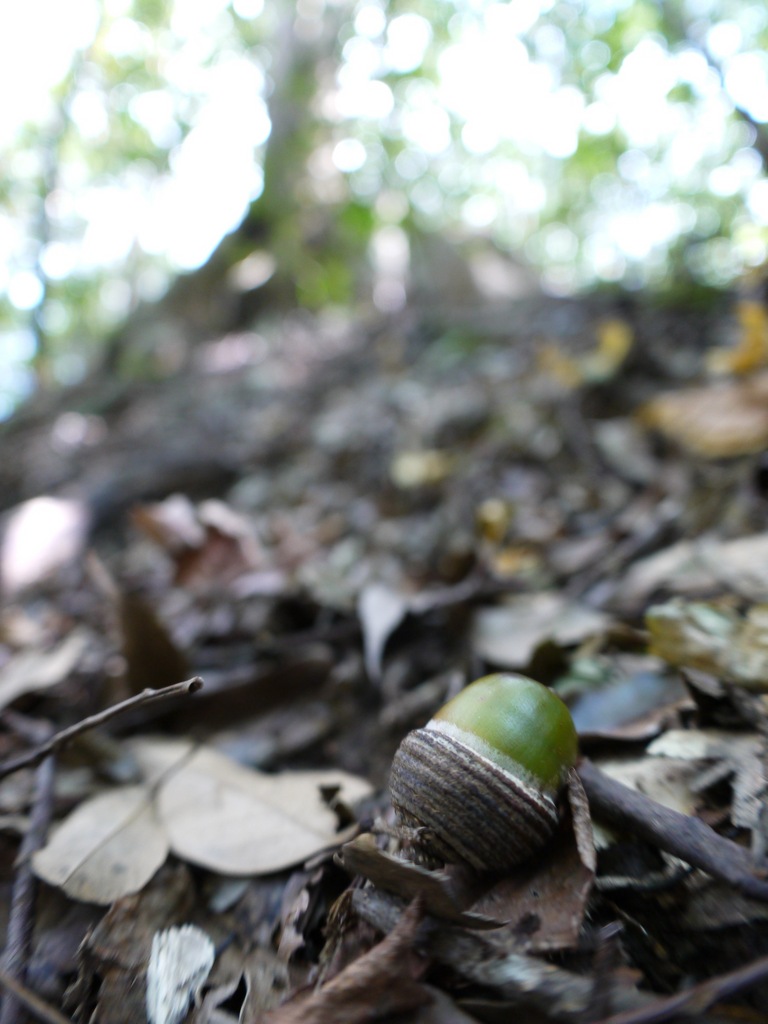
(479, 783)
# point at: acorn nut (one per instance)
(480, 781)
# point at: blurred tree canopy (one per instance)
(228, 156)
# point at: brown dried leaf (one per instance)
(379, 984)
(740, 564)
(114, 956)
(173, 523)
(484, 958)
(544, 903)
(210, 543)
(152, 658)
(441, 894)
(716, 422)
(208, 809)
(677, 567)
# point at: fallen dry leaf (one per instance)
(716, 422)
(544, 903)
(381, 610)
(383, 982)
(508, 634)
(34, 670)
(535, 988)
(115, 953)
(204, 807)
(152, 658)
(172, 523)
(677, 567)
(238, 821)
(444, 895)
(108, 847)
(210, 544)
(722, 754)
(699, 567)
(740, 564)
(712, 638)
(665, 780)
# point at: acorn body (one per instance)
(481, 779)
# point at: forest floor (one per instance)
(335, 526)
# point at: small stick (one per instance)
(605, 962)
(683, 836)
(21, 915)
(60, 739)
(34, 1004)
(695, 1001)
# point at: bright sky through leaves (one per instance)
(488, 118)
(482, 78)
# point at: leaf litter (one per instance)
(365, 536)
(203, 807)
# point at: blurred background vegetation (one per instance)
(231, 157)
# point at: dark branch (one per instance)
(39, 753)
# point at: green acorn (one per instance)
(481, 780)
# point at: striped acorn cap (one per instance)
(482, 778)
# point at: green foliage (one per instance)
(450, 116)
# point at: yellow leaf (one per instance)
(751, 351)
(614, 342)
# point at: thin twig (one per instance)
(36, 1006)
(695, 1001)
(21, 915)
(39, 753)
(605, 962)
(688, 838)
